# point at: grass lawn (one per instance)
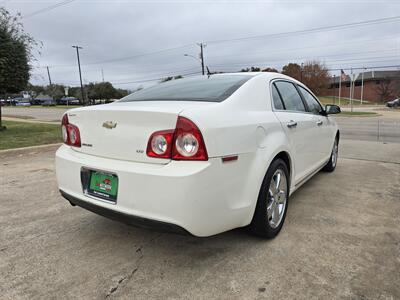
(358, 113)
(343, 101)
(22, 134)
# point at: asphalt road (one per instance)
(384, 128)
(38, 113)
(341, 240)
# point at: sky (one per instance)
(134, 43)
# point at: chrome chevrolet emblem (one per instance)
(110, 124)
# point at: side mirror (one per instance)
(332, 109)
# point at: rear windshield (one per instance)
(200, 88)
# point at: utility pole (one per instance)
(102, 74)
(48, 74)
(51, 86)
(202, 56)
(80, 73)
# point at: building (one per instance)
(372, 86)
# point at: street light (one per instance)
(199, 60)
(188, 55)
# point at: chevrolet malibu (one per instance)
(200, 155)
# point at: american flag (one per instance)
(343, 75)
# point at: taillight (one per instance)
(188, 141)
(160, 144)
(70, 133)
(184, 143)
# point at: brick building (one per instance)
(379, 86)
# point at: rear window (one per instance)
(214, 88)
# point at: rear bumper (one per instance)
(203, 198)
(124, 218)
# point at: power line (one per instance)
(47, 8)
(154, 79)
(298, 59)
(360, 63)
(324, 46)
(364, 68)
(231, 55)
(311, 30)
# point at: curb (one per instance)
(29, 148)
(359, 116)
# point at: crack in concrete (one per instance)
(115, 288)
(127, 277)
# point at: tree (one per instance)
(257, 69)
(268, 69)
(35, 90)
(293, 70)
(56, 91)
(313, 74)
(171, 78)
(104, 91)
(251, 69)
(385, 90)
(15, 54)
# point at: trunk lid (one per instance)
(122, 130)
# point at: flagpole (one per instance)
(362, 86)
(340, 86)
(351, 90)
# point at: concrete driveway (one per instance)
(341, 239)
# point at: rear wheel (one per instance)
(331, 165)
(272, 201)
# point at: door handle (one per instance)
(291, 124)
(319, 122)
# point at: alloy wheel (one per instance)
(277, 198)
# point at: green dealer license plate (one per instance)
(103, 185)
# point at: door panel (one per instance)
(327, 132)
(299, 126)
(323, 135)
(301, 137)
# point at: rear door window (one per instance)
(290, 96)
(276, 98)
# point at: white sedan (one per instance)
(201, 155)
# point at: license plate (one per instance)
(103, 185)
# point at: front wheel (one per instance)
(331, 165)
(272, 201)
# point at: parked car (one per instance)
(22, 102)
(68, 101)
(201, 155)
(49, 102)
(394, 103)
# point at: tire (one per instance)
(331, 165)
(268, 217)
